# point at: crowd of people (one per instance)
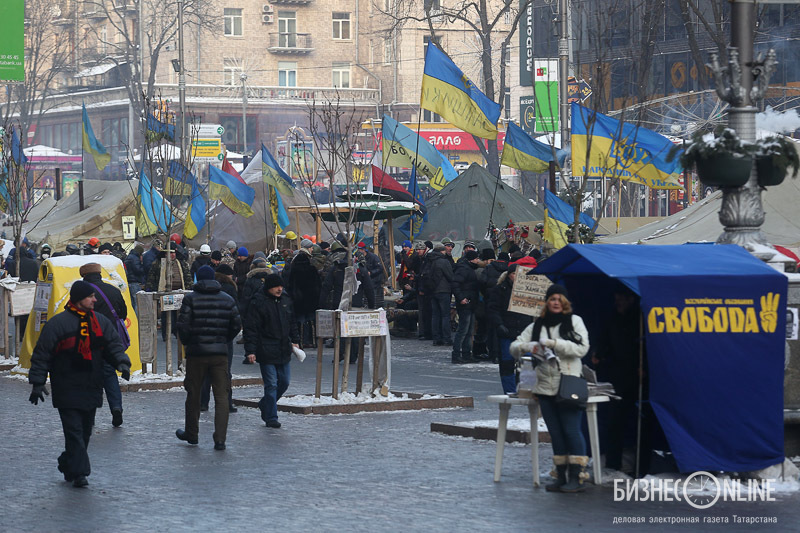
(462, 304)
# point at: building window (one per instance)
(287, 29)
(387, 51)
(102, 40)
(231, 71)
(430, 116)
(233, 22)
(114, 138)
(341, 75)
(508, 17)
(341, 26)
(287, 73)
(426, 39)
(434, 6)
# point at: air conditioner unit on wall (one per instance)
(266, 8)
(267, 18)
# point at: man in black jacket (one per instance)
(508, 326)
(134, 269)
(467, 292)
(207, 321)
(270, 332)
(107, 294)
(441, 273)
(72, 348)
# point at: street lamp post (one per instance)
(182, 84)
(742, 84)
(243, 77)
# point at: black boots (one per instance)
(560, 466)
(577, 474)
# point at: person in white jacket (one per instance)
(564, 333)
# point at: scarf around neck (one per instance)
(89, 327)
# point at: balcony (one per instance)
(290, 43)
(94, 15)
(291, 2)
(126, 6)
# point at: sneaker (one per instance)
(80, 481)
(219, 446)
(273, 424)
(182, 435)
(116, 417)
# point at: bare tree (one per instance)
(483, 19)
(47, 54)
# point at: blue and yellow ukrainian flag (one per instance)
(524, 153)
(558, 215)
(273, 174)
(621, 150)
(413, 226)
(152, 213)
(448, 92)
(157, 129)
(237, 196)
(180, 181)
(17, 153)
(90, 144)
(402, 147)
(196, 214)
(280, 219)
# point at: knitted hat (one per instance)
(406, 244)
(230, 245)
(419, 245)
(205, 272)
(216, 255)
(470, 244)
(306, 243)
(106, 246)
(324, 245)
(225, 269)
(273, 280)
(260, 255)
(486, 254)
(438, 248)
(503, 256)
(429, 245)
(242, 252)
(90, 268)
(80, 290)
(555, 288)
(258, 263)
(471, 254)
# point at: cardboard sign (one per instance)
(146, 312)
(172, 302)
(22, 299)
(792, 324)
(364, 323)
(325, 323)
(42, 298)
(528, 293)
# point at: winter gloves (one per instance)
(125, 370)
(38, 393)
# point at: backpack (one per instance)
(122, 331)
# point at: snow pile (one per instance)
(139, 378)
(514, 424)
(9, 360)
(348, 398)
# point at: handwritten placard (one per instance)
(146, 313)
(22, 299)
(364, 323)
(325, 323)
(528, 293)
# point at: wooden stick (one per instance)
(318, 388)
(360, 366)
(337, 340)
(347, 346)
(393, 268)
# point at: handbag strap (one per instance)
(111, 307)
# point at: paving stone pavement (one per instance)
(370, 472)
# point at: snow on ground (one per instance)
(348, 398)
(514, 424)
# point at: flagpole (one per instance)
(265, 190)
(494, 197)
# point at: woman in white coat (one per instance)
(565, 334)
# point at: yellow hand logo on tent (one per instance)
(769, 312)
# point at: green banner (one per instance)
(545, 93)
(12, 40)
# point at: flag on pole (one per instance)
(274, 175)
(237, 196)
(158, 130)
(280, 219)
(448, 92)
(413, 226)
(90, 144)
(16, 149)
(524, 153)
(559, 215)
(383, 183)
(180, 181)
(402, 147)
(152, 213)
(196, 214)
(621, 150)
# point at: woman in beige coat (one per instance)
(563, 334)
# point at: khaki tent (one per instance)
(462, 209)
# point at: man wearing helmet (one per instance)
(203, 259)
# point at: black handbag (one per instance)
(573, 391)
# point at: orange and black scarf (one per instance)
(89, 327)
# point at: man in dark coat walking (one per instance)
(72, 348)
(270, 332)
(107, 294)
(207, 322)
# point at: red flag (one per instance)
(228, 167)
(383, 183)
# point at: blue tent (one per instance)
(714, 322)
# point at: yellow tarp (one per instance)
(60, 273)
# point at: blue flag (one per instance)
(16, 148)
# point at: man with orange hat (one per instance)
(91, 246)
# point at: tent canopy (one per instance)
(461, 210)
(714, 324)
